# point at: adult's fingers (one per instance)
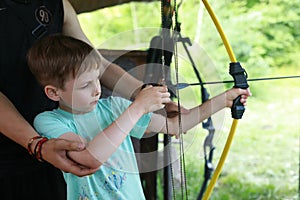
(69, 145)
(55, 151)
(81, 171)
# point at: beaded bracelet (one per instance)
(38, 149)
(30, 143)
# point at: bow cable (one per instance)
(208, 146)
(166, 22)
(168, 38)
(177, 37)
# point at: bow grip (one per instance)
(240, 81)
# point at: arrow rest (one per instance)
(240, 81)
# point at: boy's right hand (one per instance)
(151, 98)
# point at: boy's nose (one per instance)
(97, 90)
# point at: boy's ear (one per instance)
(52, 92)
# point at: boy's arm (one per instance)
(106, 142)
(198, 113)
(189, 120)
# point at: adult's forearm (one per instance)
(12, 124)
(114, 77)
(121, 82)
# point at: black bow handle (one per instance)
(240, 81)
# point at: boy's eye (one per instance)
(84, 86)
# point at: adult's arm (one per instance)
(114, 77)
(12, 124)
(15, 127)
(81, 6)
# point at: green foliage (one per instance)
(264, 34)
(106, 23)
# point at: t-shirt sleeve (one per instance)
(141, 126)
(48, 124)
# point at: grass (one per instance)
(263, 162)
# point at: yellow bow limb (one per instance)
(235, 121)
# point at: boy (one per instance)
(69, 70)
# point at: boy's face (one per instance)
(82, 93)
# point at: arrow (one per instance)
(184, 85)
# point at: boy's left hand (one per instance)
(234, 93)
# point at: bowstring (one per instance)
(183, 184)
(163, 82)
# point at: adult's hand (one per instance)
(55, 151)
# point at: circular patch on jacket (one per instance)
(43, 15)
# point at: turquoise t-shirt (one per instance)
(118, 178)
